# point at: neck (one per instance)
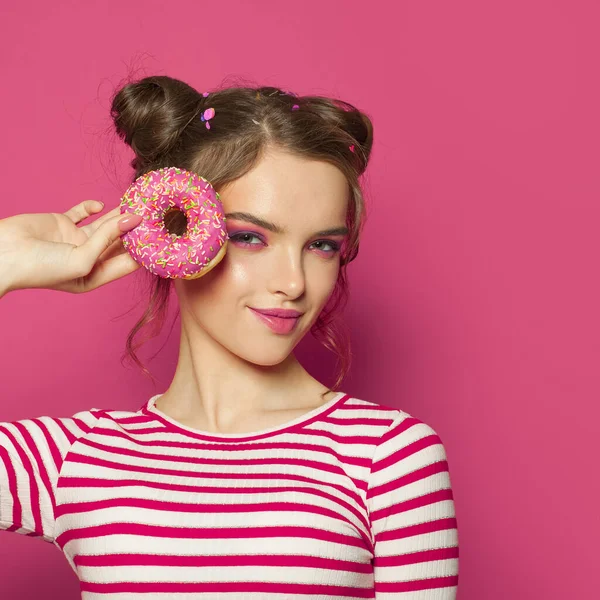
(214, 386)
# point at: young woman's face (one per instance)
(295, 267)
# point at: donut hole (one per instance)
(175, 221)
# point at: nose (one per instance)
(287, 274)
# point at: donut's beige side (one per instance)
(213, 263)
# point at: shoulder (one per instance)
(394, 418)
(60, 430)
(113, 418)
(398, 430)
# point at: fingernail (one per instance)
(129, 222)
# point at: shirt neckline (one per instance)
(302, 420)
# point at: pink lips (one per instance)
(278, 320)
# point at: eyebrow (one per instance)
(250, 218)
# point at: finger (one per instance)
(91, 227)
(83, 210)
(101, 274)
(84, 257)
(114, 249)
(110, 270)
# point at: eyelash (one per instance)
(235, 237)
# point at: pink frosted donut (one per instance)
(165, 254)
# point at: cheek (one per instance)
(240, 272)
(230, 278)
(325, 284)
(329, 289)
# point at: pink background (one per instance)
(475, 295)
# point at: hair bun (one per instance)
(149, 115)
(360, 128)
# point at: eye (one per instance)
(333, 246)
(242, 239)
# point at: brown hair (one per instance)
(160, 119)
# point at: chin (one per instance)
(267, 362)
(265, 357)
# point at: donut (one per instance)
(165, 254)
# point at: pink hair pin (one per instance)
(351, 148)
(208, 114)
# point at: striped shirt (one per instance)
(350, 500)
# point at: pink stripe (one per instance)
(185, 507)
(367, 440)
(267, 462)
(12, 489)
(399, 428)
(238, 560)
(321, 466)
(374, 408)
(70, 482)
(155, 429)
(136, 420)
(313, 433)
(310, 434)
(41, 468)
(33, 487)
(419, 529)
(239, 587)
(300, 446)
(79, 482)
(415, 558)
(51, 443)
(79, 423)
(405, 452)
(416, 584)
(209, 533)
(418, 502)
(68, 434)
(368, 421)
(418, 475)
(76, 507)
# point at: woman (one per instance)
(247, 477)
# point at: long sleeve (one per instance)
(412, 513)
(32, 452)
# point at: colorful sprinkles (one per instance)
(150, 243)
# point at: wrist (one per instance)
(5, 280)
(3, 289)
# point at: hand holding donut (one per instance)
(50, 250)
